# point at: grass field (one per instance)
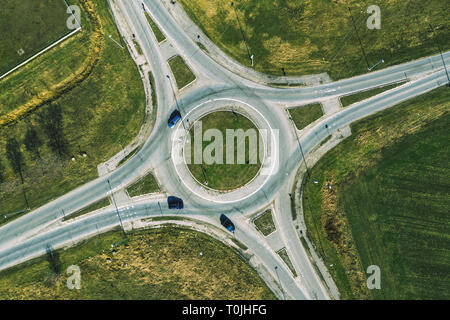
(382, 198)
(60, 65)
(166, 263)
(224, 176)
(302, 116)
(264, 223)
(145, 185)
(31, 26)
(307, 37)
(98, 116)
(183, 75)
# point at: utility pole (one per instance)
(359, 39)
(442, 56)
(117, 210)
(25, 197)
(242, 32)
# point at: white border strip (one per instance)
(40, 52)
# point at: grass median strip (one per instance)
(285, 257)
(95, 206)
(381, 198)
(183, 265)
(360, 96)
(160, 37)
(264, 223)
(145, 185)
(183, 75)
(302, 116)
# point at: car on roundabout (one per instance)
(226, 222)
(174, 118)
(175, 202)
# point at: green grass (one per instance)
(264, 223)
(360, 96)
(129, 156)
(152, 264)
(239, 244)
(308, 37)
(388, 202)
(160, 37)
(145, 185)
(99, 116)
(302, 116)
(201, 46)
(224, 176)
(284, 256)
(95, 206)
(31, 26)
(138, 47)
(153, 88)
(44, 72)
(183, 75)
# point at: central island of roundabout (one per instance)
(224, 150)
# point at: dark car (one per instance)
(175, 203)
(174, 118)
(226, 222)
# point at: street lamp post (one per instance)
(110, 36)
(282, 291)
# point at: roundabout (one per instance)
(163, 153)
(251, 157)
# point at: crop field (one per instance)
(183, 265)
(382, 198)
(32, 25)
(309, 37)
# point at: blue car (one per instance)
(174, 118)
(175, 203)
(226, 222)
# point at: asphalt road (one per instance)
(28, 236)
